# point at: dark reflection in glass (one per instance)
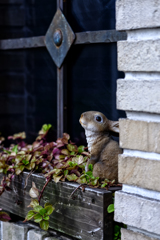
(92, 74)
(91, 15)
(27, 92)
(25, 18)
(39, 16)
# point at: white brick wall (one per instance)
(138, 204)
(137, 14)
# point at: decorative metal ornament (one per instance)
(59, 38)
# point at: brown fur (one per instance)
(104, 150)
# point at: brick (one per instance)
(6, 230)
(139, 56)
(137, 14)
(130, 235)
(140, 135)
(138, 95)
(137, 211)
(36, 235)
(139, 171)
(19, 231)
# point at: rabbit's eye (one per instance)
(98, 119)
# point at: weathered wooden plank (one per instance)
(84, 217)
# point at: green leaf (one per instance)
(19, 169)
(72, 164)
(57, 172)
(22, 167)
(110, 208)
(103, 185)
(38, 208)
(15, 149)
(90, 167)
(65, 172)
(94, 182)
(44, 225)
(49, 209)
(34, 203)
(4, 171)
(46, 218)
(82, 180)
(25, 162)
(46, 127)
(30, 215)
(71, 148)
(106, 180)
(37, 218)
(72, 153)
(65, 152)
(72, 177)
(42, 211)
(47, 204)
(81, 149)
(90, 174)
(6, 151)
(78, 159)
(117, 229)
(57, 178)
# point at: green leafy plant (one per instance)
(40, 214)
(60, 160)
(117, 226)
(110, 208)
(117, 232)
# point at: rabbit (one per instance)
(104, 150)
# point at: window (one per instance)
(33, 90)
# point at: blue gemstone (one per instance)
(57, 37)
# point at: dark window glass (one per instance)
(27, 91)
(92, 74)
(25, 18)
(91, 15)
(39, 14)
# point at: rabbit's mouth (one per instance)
(82, 122)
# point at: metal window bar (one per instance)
(105, 36)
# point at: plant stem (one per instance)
(40, 196)
(76, 190)
(26, 181)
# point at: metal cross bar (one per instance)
(105, 36)
(19, 43)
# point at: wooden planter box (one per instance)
(84, 217)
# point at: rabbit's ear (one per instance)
(114, 126)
